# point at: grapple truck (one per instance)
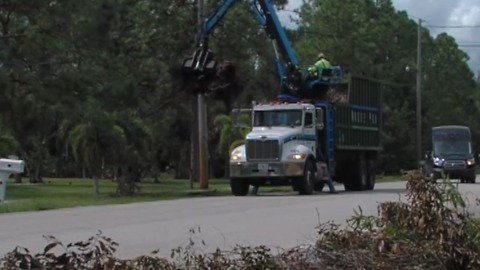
(305, 144)
(304, 139)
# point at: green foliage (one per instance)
(72, 69)
(433, 230)
(232, 131)
(95, 136)
(8, 144)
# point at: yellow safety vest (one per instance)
(322, 63)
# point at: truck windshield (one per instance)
(452, 142)
(277, 118)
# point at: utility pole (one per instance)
(202, 156)
(419, 93)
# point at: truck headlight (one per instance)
(236, 156)
(297, 156)
(470, 162)
(437, 161)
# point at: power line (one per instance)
(454, 26)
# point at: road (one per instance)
(276, 220)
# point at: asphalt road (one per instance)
(277, 220)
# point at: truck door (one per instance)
(320, 133)
(309, 135)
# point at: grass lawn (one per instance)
(64, 193)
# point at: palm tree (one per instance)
(8, 143)
(232, 133)
(93, 137)
(136, 154)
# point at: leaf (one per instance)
(49, 247)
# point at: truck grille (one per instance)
(454, 164)
(263, 150)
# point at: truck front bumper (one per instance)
(266, 169)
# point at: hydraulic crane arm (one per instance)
(292, 81)
(201, 66)
(267, 17)
(212, 21)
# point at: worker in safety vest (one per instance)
(320, 64)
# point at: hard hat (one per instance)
(321, 55)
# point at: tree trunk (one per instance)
(156, 174)
(182, 166)
(102, 168)
(127, 181)
(38, 173)
(84, 173)
(96, 187)
(18, 178)
(36, 176)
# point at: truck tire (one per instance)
(306, 183)
(319, 186)
(371, 176)
(362, 181)
(239, 186)
(357, 179)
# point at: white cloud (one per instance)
(435, 13)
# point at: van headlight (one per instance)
(470, 162)
(437, 161)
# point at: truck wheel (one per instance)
(362, 175)
(357, 179)
(239, 186)
(350, 180)
(319, 186)
(306, 183)
(371, 176)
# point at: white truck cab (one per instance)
(280, 149)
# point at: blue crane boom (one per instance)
(295, 84)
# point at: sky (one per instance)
(456, 17)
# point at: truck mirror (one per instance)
(319, 124)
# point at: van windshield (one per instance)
(277, 118)
(451, 148)
(450, 142)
